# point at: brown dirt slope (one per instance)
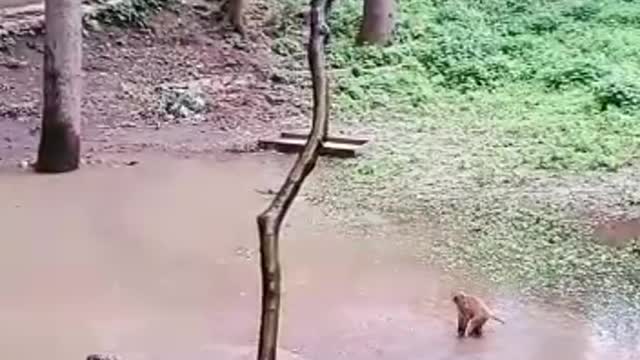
(244, 87)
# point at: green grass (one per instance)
(549, 76)
(506, 122)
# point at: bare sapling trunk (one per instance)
(377, 22)
(236, 15)
(270, 221)
(59, 149)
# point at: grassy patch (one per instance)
(502, 119)
(565, 70)
(539, 250)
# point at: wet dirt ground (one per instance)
(159, 261)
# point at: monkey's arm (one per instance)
(462, 325)
(469, 328)
(475, 325)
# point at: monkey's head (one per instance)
(458, 297)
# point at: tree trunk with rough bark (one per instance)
(378, 20)
(270, 220)
(59, 149)
(236, 15)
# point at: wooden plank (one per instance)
(327, 144)
(336, 139)
(295, 145)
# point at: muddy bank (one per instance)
(159, 261)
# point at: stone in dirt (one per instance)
(13, 63)
(103, 357)
(183, 100)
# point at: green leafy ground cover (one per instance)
(513, 124)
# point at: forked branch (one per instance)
(270, 221)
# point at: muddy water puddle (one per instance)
(159, 261)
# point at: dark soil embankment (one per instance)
(182, 85)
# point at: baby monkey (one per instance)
(473, 313)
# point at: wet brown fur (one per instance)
(473, 313)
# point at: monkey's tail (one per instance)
(498, 319)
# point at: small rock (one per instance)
(6, 43)
(37, 47)
(12, 63)
(102, 357)
(128, 124)
(277, 78)
(274, 100)
(200, 7)
(92, 25)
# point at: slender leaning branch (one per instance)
(270, 221)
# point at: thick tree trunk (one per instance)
(377, 22)
(59, 149)
(270, 220)
(236, 15)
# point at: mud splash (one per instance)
(159, 261)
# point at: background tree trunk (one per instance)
(378, 20)
(236, 15)
(59, 149)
